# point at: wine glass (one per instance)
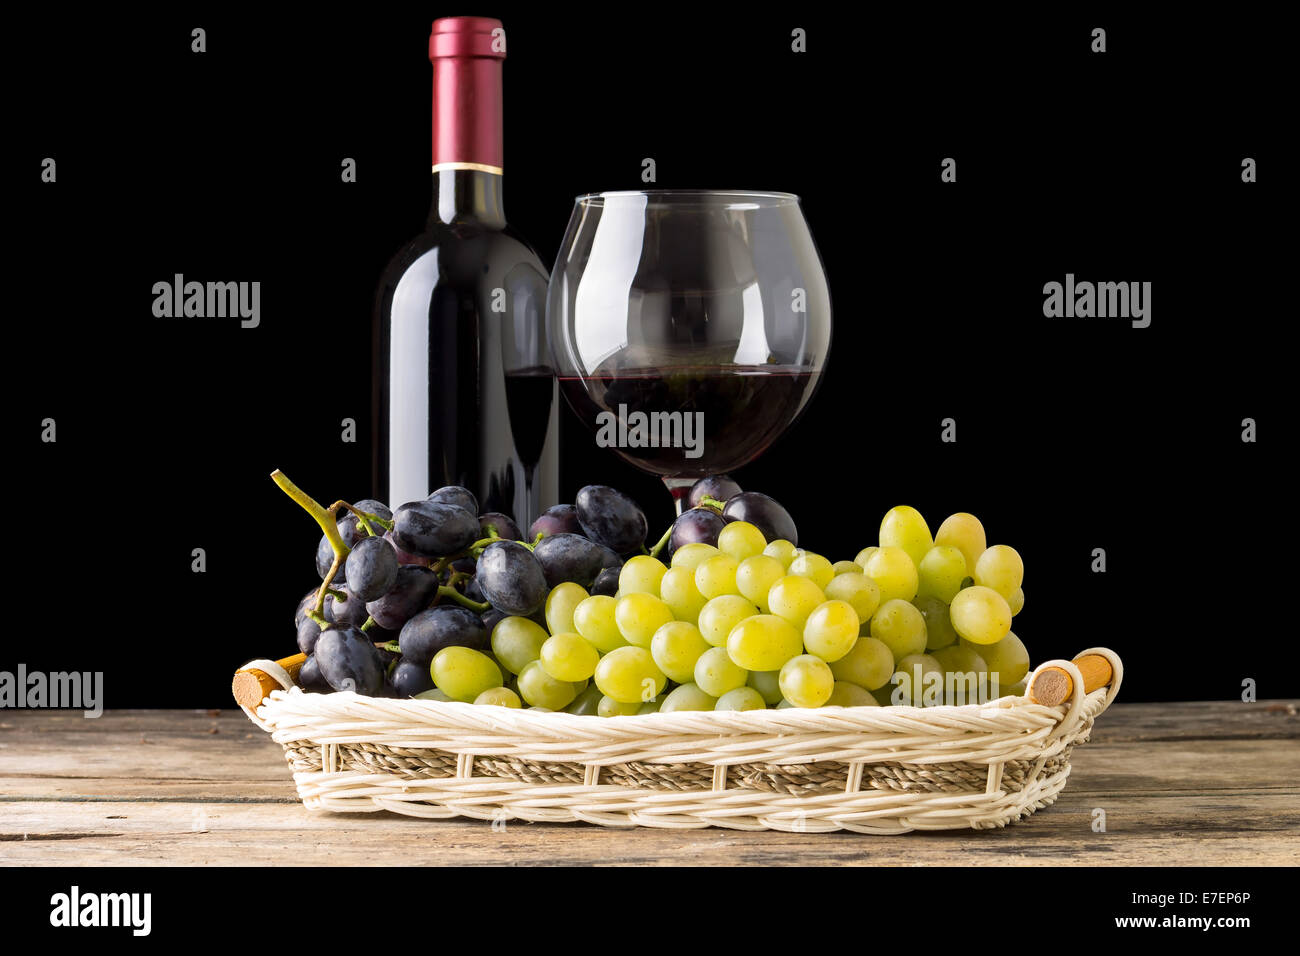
(688, 328)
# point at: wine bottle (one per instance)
(464, 392)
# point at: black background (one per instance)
(1072, 435)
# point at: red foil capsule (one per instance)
(466, 53)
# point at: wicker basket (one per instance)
(864, 769)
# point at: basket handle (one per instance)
(252, 684)
(1099, 667)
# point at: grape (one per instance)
(307, 603)
(716, 575)
(782, 550)
(641, 574)
(846, 567)
(629, 675)
(491, 618)
(345, 610)
(652, 706)
(469, 587)
(938, 624)
(638, 617)
(697, 526)
(742, 698)
(858, 590)
(570, 557)
(310, 679)
(687, 697)
(517, 642)
(463, 673)
(763, 513)
(794, 598)
(428, 632)
(1001, 569)
(348, 661)
(755, 576)
(784, 705)
(719, 616)
(511, 578)
(763, 642)
(900, 627)
(845, 694)
(903, 527)
(462, 498)
(606, 582)
(831, 631)
(768, 685)
(611, 518)
(678, 590)
(960, 658)
(569, 657)
(372, 569)
(609, 707)
(587, 702)
(504, 526)
(806, 681)
(594, 620)
(500, 697)
(884, 695)
(981, 615)
(1008, 658)
(372, 507)
(560, 604)
(914, 683)
(691, 556)
(308, 634)
(964, 672)
(941, 572)
(325, 558)
(675, 648)
(740, 539)
(409, 678)
(721, 487)
(557, 519)
(864, 556)
(434, 694)
(404, 557)
(540, 689)
(409, 595)
(894, 573)
(1017, 601)
(817, 569)
(716, 673)
(964, 532)
(433, 529)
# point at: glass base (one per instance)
(678, 488)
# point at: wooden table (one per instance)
(1210, 784)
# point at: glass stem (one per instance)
(678, 488)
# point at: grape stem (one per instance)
(449, 592)
(337, 595)
(370, 622)
(654, 552)
(327, 524)
(710, 502)
(318, 617)
(363, 517)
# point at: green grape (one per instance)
(782, 550)
(919, 680)
(720, 616)
(741, 540)
(900, 627)
(814, 567)
(868, 664)
(687, 697)
(980, 614)
(964, 673)
(755, 577)
(903, 527)
(434, 694)
(831, 630)
(586, 702)
(652, 706)
(676, 647)
(846, 694)
(793, 598)
(609, 707)
(768, 684)
(569, 657)
(716, 673)
(1019, 689)
(1017, 601)
(764, 642)
(884, 695)
(641, 575)
(629, 675)
(540, 689)
(846, 567)
(463, 673)
(638, 617)
(716, 576)
(864, 556)
(516, 641)
(500, 696)
(742, 698)
(965, 533)
(940, 573)
(678, 591)
(894, 573)
(1001, 569)
(1008, 658)
(858, 590)
(938, 625)
(560, 605)
(784, 705)
(690, 555)
(807, 681)
(594, 619)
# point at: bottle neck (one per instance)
(467, 196)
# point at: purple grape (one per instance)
(491, 618)
(310, 679)
(456, 495)
(372, 569)
(606, 582)
(410, 594)
(504, 525)
(308, 601)
(721, 487)
(409, 679)
(611, 518)
(433, 529)
(697, 526)
(511, 578)
(308, 634)
(571, 557)
(763, 513)
(325, 558)
(348, 610)
(348, 661)
(404, 557)
(430, 631)
(558, 519)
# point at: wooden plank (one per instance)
(1199, 720)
